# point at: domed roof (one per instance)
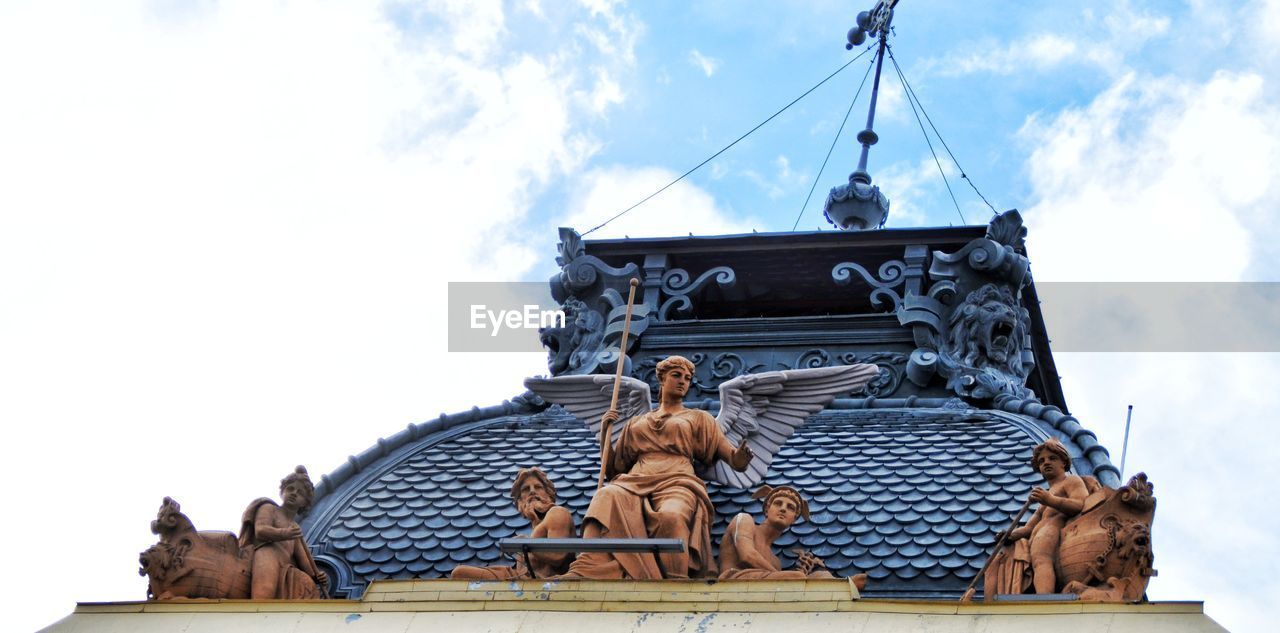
(910, 496)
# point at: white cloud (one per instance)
(1129, 25)
(1103, 42)
(1188, 167)
(1265, 28)
(907, 185)
(1169, 179)
(684, 208)
(782, 182)
(708, 65)
(1039, 52)
(227, 231)
(891, 104)
(614, 34)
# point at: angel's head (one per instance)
(681, 372)
(783, 505)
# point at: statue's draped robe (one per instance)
(498, 572)
(1010, 570)
(657, 452)
(292, 583)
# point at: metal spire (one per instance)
(858, 205)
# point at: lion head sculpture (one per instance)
(984, 351)
(573, 348)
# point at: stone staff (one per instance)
(1004, 536)
(605, 429)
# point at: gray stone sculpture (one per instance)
(981, 345)
(591, 293)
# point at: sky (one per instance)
(226, 227)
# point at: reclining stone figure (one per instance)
(535, 496)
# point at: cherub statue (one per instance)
(746, 553)
(1043, 532)
(282, 564)
(535, 497)
(655, 490)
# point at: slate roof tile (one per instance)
(906, 496)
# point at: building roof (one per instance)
(912, 496)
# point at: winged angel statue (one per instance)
(659, 459)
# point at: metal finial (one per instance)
(857, 205)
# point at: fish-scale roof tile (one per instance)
(906, 496)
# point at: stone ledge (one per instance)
(692, 596)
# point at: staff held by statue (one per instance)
(1000, 541)
(606, 430)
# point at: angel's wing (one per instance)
(587, 397)
(766, 408)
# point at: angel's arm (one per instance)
(621, 458)
(736, 458)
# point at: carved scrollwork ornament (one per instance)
(892, 274)
(892, 367)
(709, 372)
(679, 285)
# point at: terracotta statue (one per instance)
(1105, 554)
(746, 553)
(1086, 539)
(190, 564)
(282, 564)
(1034, 546)
(656, 488)
(653, 489)
(535, 497)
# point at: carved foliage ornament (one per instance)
(892, 367)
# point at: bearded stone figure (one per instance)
(535, 498)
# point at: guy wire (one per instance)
(726, 147)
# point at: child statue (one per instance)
(746, 553)
(282, 564)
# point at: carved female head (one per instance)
(297, 491)
(666, 365)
